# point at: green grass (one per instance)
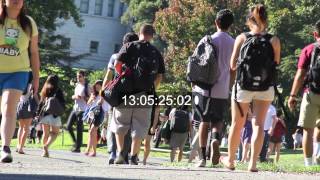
(290, 162)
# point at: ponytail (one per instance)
(257, 16)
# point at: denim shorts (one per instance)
(16, 80)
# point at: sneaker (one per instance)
(119, 159)
(75, 150)
(215, 152)
(134, 160)
(202, 163)
(6, 155)
(111, 161)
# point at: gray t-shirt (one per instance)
(224, 43)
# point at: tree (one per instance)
(49, 15)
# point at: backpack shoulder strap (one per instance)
(268, 36)
(315, 51)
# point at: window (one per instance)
(84, 6)
(94, 46)
(121, 9)
(116, 48)
(111, 4)
(98, 7)
(65, 43)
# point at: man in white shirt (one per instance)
(270, 118)
(80, 97)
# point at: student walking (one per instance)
(254, 57)
(110, 75)
(308, 74)
(137, 118)
(26, 110)
(51, 107)
(97, 109)
(180, 126)
(297, 138)
(210, 105)
(80, 97)
(276, 133)
(19, 55)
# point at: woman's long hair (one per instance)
(23, 20)
(50, 87)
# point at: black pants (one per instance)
(264, 149)
(75, 118)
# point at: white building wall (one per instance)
(108, 31)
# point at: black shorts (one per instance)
(215, 110)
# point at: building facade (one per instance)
(101, 34)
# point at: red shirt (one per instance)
(305, 57)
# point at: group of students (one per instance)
(251, 94)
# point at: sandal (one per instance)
(226, 164)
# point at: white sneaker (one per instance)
(6, 157)
(202, 163)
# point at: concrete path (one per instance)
(66, 165)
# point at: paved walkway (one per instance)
(66, 165)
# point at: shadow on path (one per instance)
(50, 177)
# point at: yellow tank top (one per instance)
(14, 44)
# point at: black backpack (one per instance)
(203, 69)
(180, 122)
(256, 69)
(313, 78)
(145, 69)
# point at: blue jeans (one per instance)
(264, 149)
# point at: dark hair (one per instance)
(50, 91)
(224, 19)
(98, 82)
(279, 113)
(130, 37)
(257, 16)
(317, 27)
(23, 20)
(82, 73)
(147, 29)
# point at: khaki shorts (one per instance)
(245, 96)
(309, 110)
(136, 119)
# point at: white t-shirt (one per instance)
(80, 104)
(269, 117)
(105, 105)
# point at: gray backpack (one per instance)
(203, 69)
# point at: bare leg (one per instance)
(270, 149)
(180, 154)
(94, 140)
(237, 124)
(9, 102)
(260, 109)
(277, 150)
(21, 124)
(245, 152)
(172, 154)
(147, 148)
(24, 134)
(307, 144)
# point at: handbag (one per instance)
(117, 88)
(53, 106)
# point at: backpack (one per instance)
(166, 131)
(93, 112)
(256, 69)
(313, 78)
(145, 67)
(203, 69)
(180, 123)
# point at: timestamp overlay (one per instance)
(143, 100)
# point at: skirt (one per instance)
(52, 121)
